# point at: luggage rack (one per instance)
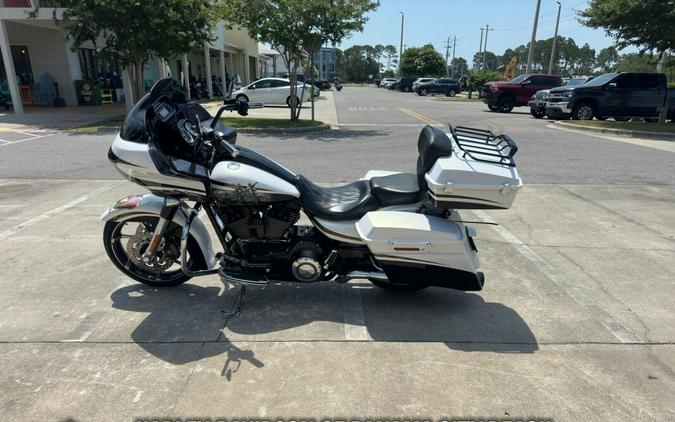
(483, 145)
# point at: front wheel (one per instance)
(423, 92)
(292, 100)
(126, 241)
(451, 93)
(506, 104)
(537, 114)
(492, 108)
(583, 111)
(242, 98)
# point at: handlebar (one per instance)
(240, 107)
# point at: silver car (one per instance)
(419, 81)
(271, 91)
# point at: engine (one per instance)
(266, 238)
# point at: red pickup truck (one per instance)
(502, 96)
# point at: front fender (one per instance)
(144, 205)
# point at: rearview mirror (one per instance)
(251, 87)
(612, 85)
(527, 82)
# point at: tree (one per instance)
(646, 24)
(606, 59)
(423, 61)
(491, 60)
(459, 67)
(391, 55)
(136, 31)
(478, 78)
(633, 62)
(295, 27)
(356, 65)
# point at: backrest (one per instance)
(432, 145)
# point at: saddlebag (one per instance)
(480, 173)
(418, 248)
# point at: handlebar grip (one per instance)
(234, 152)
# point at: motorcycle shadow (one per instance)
(193, 315)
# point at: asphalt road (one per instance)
(378, 130)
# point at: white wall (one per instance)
(47, 51)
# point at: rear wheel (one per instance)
(292, 99)
(126, 241)
(505, 105)
(399, 288)
(451, 93)
(583, 111)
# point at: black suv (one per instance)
(449, 87)
(405, 84)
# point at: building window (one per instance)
(103, 67)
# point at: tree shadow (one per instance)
(193, 315)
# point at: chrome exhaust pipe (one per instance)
(371, 276)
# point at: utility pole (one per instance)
(555, 38)
(534, 36)
(400, 50)
(447, 54)
(454, 44)
(480, 49)
(487, 29)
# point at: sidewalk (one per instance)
(59, 118)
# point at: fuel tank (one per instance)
(245, 184)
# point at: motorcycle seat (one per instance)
(354, 200)
(396, 189)
(348, 202)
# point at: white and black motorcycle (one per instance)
(401, 231)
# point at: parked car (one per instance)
(619, 95)
(538, 101)
(405, 84)
(502, 96)
(449, 87)
(422, 81)
(387, 82)
(271, 91)
(322, 84)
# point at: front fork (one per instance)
(165, 217)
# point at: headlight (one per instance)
(545, 96)
(568, 94)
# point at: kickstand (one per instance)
(238, 304)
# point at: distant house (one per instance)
(35, 50)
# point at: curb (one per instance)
(620, 132)
(310, 129)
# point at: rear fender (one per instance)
(151, 205)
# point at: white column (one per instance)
(162, 68)
(223, 79)
(9, 69)
(186, 76)
(247, 69)
(207, 65)
(128, 91)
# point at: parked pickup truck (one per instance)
(618, 95)
(502, 96)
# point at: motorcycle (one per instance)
(400, 231)
(338, 85)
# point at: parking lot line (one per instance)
(418, 116)
(9, 232)
(622, 333)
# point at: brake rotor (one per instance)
(166, 255)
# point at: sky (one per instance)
(433, 21)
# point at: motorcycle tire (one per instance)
(399, 288)
(118, 255)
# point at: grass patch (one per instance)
(267, 123)
(639, 126)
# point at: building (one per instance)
(36, 51)
(325, 62)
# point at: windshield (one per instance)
(518, 79)
(575, 81)
(601, 80)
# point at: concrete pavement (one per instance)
(576, 321)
